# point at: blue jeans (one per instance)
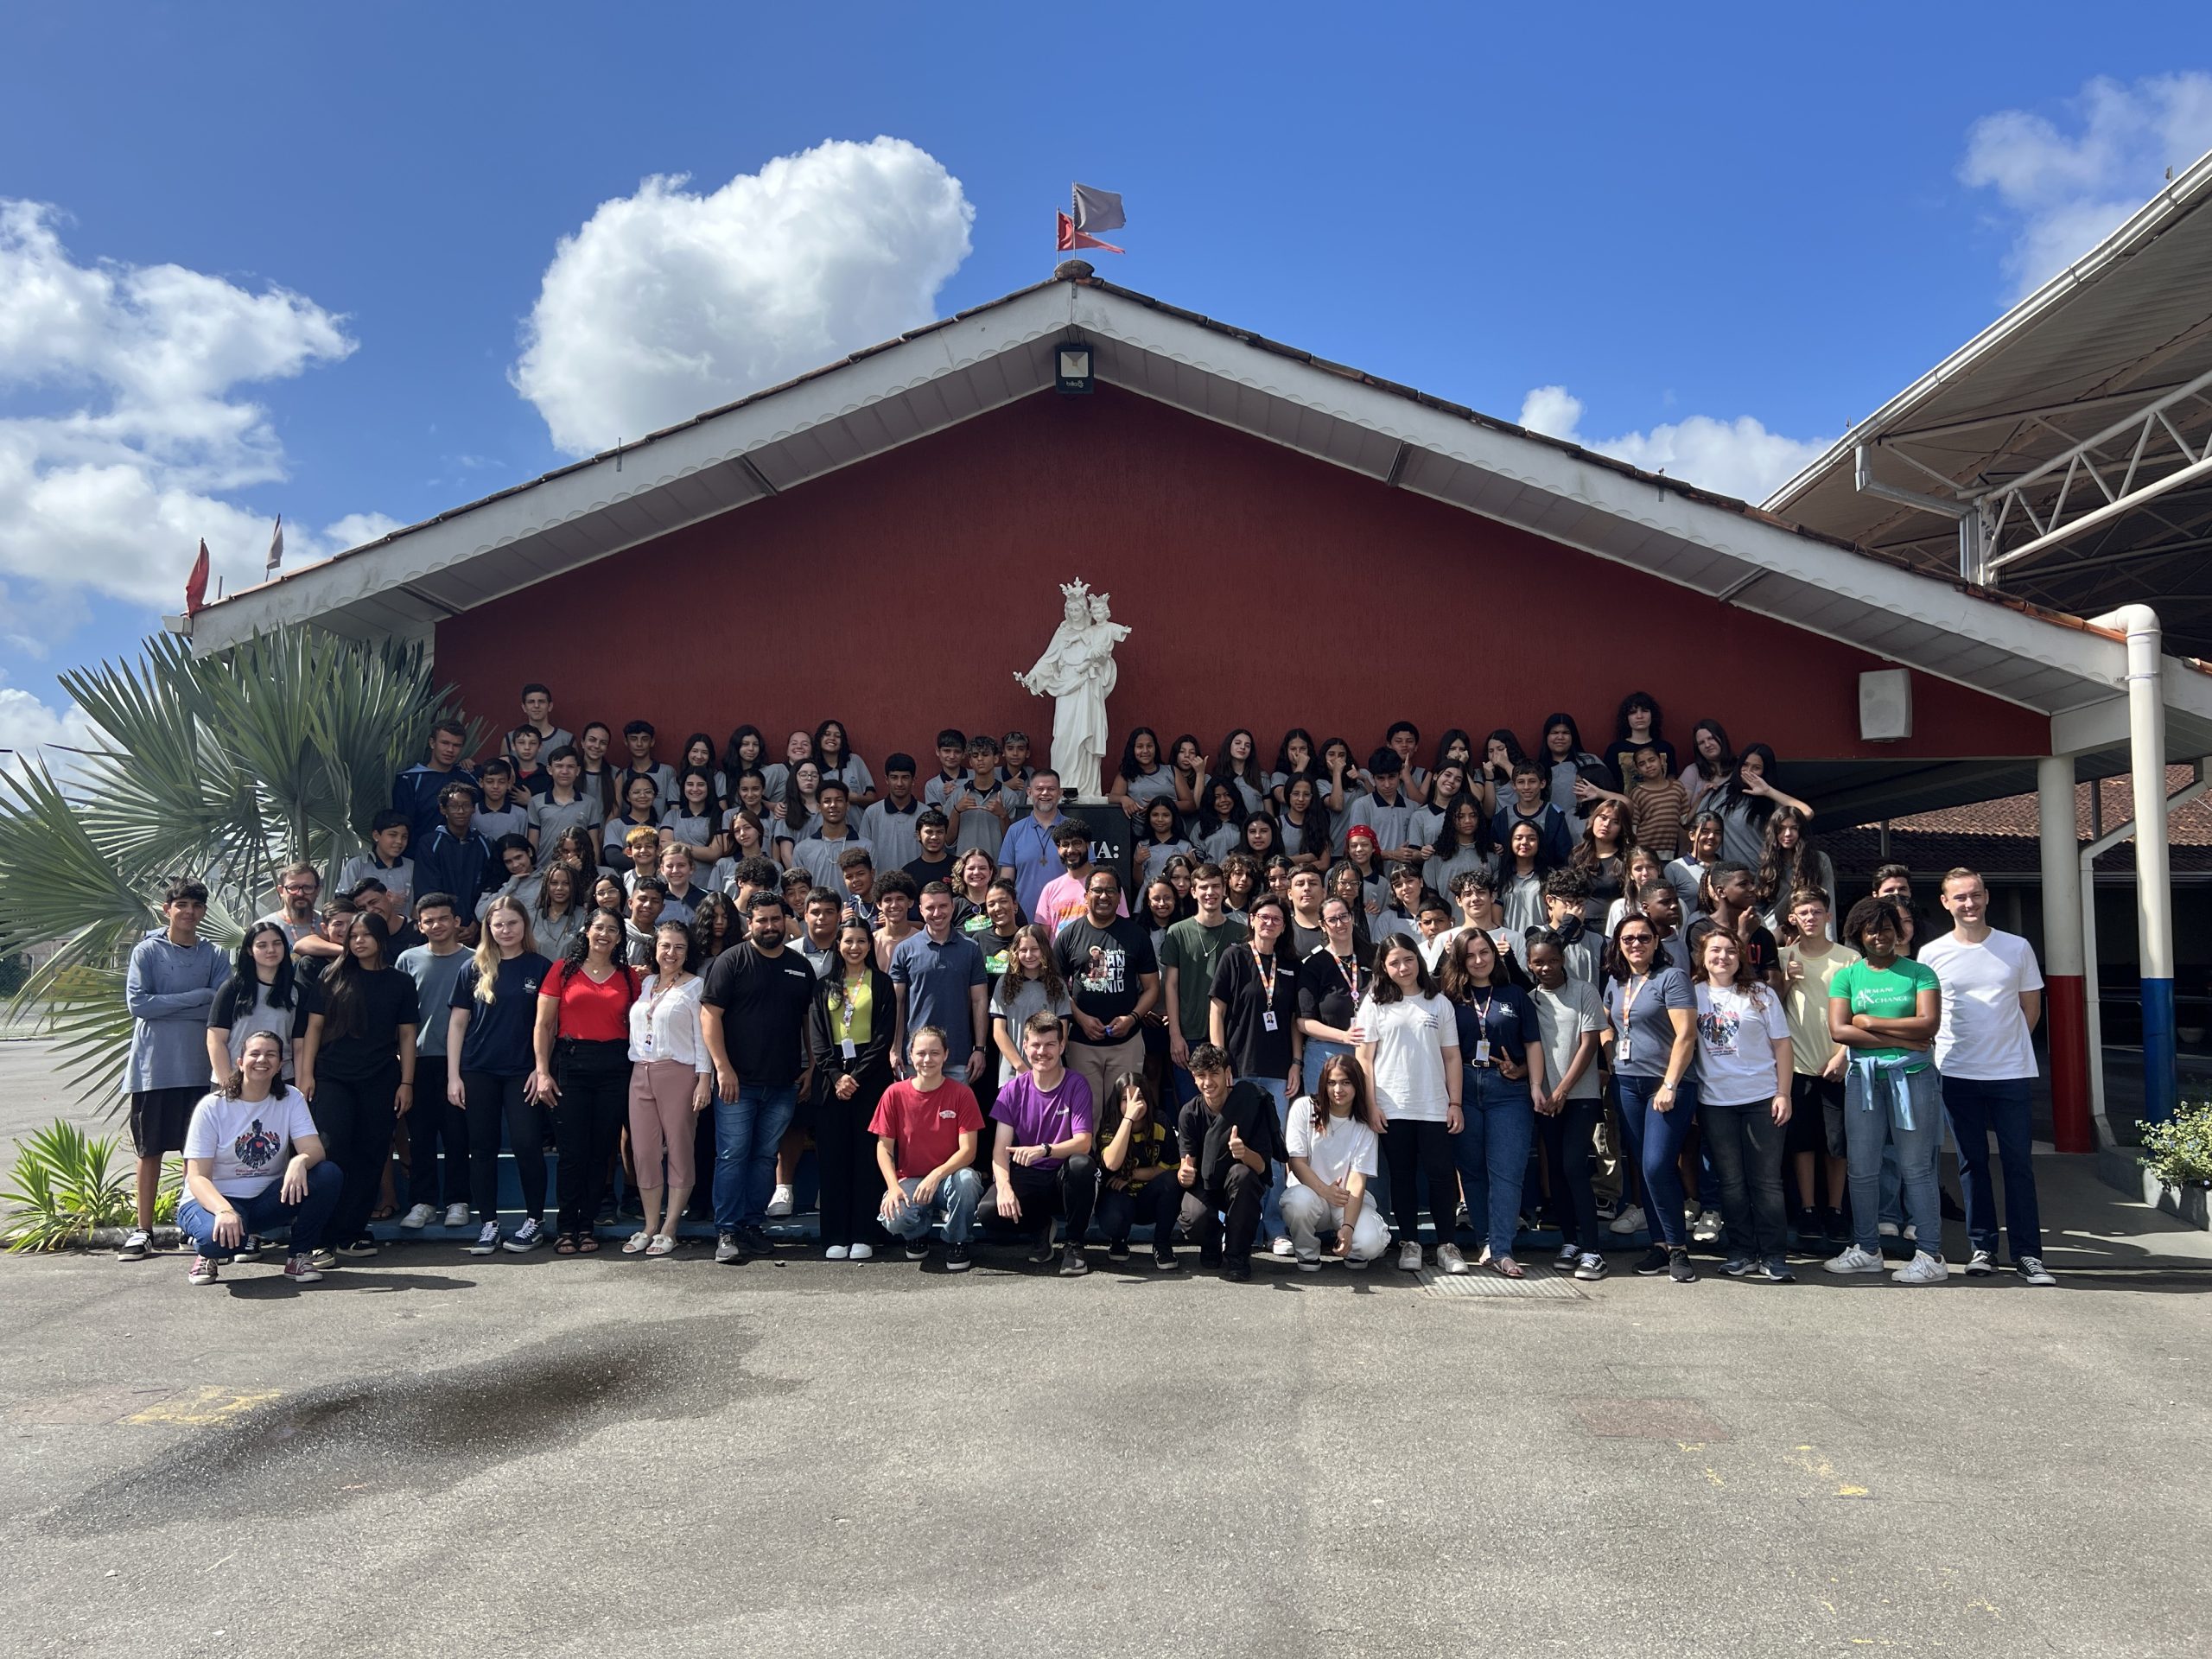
(1317, 1054)
(1271, 1225)
(1655, 1143)
(954, 1205)
(1492, 1153)
(1979, 1107)
(266, 1211)
(747, 1131)
(1867, 1129)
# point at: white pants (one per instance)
(1307, 1213)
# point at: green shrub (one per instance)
(2179, 1150)
(64, 1184)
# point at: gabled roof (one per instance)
(951, 370)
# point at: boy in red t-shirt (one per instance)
(926, 1129)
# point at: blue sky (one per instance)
(310, 241)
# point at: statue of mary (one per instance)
(1077, 672)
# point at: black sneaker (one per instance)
(756, 1241)
(957, 1258)
(1653, 1261)
(363, 1245)
(1777, 1272)
(1163, 1258)
(1041, 1251)
(1072, 1266)
(917, 1249)
(1237, 1270)
(1209, 1258)
(1678, 1269)
(1117, 1250)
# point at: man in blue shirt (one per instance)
(1030, 855)
(940, 980)
(416, 791)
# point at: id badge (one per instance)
(850, 1047)
(1268, 1020)
(1482, 1051)
(1623, 1052)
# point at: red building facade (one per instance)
(1265, 588)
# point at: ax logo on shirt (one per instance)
(256, 1147)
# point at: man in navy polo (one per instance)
(939, 976)
(416, 791)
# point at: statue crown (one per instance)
(1075, 589)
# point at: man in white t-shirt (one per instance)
(1331, 1169)
(1992, 996)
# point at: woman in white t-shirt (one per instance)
(252, 1163)
(1744, 1062)
(1333, 1150)
(671, 1080)
(1409, 1051)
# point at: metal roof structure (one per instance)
(936, 377)
(2064, 453)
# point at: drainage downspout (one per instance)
(2154, 915)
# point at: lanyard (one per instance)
(1629, 996)
(1351, 976)
(1269, 967)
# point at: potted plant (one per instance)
(2178, 1152)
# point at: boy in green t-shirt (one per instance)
(1885, 1009)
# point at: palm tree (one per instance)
(227, 766)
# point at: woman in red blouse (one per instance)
(582, 1042)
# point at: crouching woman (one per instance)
(253, 1163)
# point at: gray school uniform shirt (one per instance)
(552, 819)
(891, 833)
(168, 989)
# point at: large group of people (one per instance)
(1614, 993)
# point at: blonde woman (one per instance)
(487, 1071)
(671, 1080)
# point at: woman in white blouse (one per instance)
(671, 1079)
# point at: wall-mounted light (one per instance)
(1071, 369)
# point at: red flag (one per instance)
(195, 585)
(1072, 238)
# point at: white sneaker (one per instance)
(1409, 1257)
(456, 1215)
(418, 1217)
(1981, 1265)
(779, 1202)
(1707, 1229)
(1448, 1259)
(136, 1246)
(2032, 1270)
(1923, 1269)
(1887, 1229)
(835, 1253)
(1310, 1264)
(1629, 1220)
(1855, 1260)
(862, 1253)
(1911, 1234)
(1282, 1247)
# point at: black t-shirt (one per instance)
(384, 1000)
(1203, 1136)
(763, 1001)
(1762, 952)
(1104, 968)
(925, 872)
(1304, 940)
(1329, 988)
(1242, 991)
(497, 1042)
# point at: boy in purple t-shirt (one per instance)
(1041, 1164)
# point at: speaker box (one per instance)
(1885, 704)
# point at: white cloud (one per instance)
(1739, 457)
(668, 302)
(138, 430)
(29, 727)
(2068, 190)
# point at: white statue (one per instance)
(1077, 672)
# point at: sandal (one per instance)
(587, 1243)
(1508, 1268)
(663, 1244)
(565, 1245)
(636, 1244)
